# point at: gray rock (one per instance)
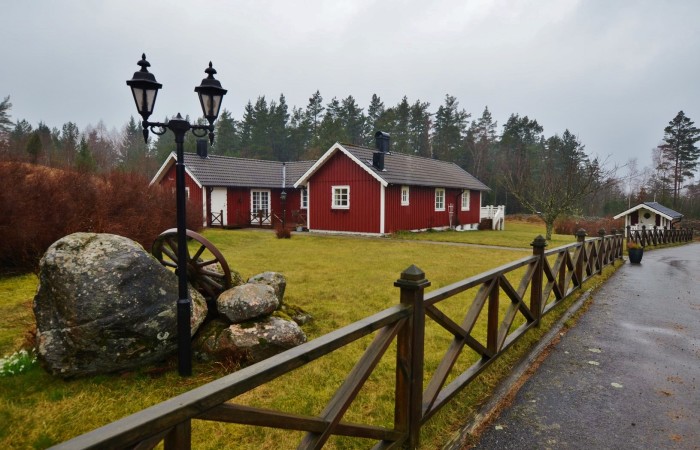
(248, 342)
(104, 304)
(274, 279)
(246, 302)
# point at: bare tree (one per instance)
(555, 182)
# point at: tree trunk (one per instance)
(550, 226)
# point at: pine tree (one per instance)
(84, 161)
(314, 111)
(226, 140)
(278, 130)
(353, 121)
(34, 147)
(5, 122)
(69, 140)
(681, 154)
(375, 112)
(419, 129)
(449, 130)
(481, 139)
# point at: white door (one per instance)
(218, 207)
(260, 207)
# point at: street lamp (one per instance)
(283, 197)
(144, 88)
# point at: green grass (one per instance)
(517, 234)
(337, 279)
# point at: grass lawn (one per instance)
(337, 279)
(517, 234)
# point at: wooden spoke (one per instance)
(205, 279)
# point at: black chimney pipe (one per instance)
(382, 140)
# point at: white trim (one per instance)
(326, 156)
(167, 164)
(468, 195)
(269, 203)
(643, 206)
(407, 189)
(436, 198)
(308, 206)
(382, 212)
(303, 193)
(340, 187)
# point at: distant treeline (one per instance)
(516, 155)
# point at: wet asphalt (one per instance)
(627, 375)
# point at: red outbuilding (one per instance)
(361, 190)
(238, 192)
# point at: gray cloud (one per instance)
(614, 73)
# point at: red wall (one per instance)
(363, 215)
(420, 213)
(194, 201)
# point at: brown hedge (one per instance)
(39, 205)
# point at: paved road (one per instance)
(627, 376)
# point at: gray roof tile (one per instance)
(403, 169)
(216, 170)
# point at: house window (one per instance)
(404, 195)
(439, 199)
(187, 192)
(304, 199)
(465, 200)
(341, 197)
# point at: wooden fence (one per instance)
(549, 277)
(658, 236)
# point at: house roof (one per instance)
(653, 206)
(402, 169)
(228, 171)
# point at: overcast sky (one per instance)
(614, 72)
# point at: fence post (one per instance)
(538, 246)
(602, 252)
(580, 237)
(612, 256)
(409, 357)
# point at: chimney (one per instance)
(382, 140)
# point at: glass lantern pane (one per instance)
(216, 105)
(206, 104)
(138, 97)
(151, 98)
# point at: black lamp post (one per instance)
(283, 197)
(144, 88)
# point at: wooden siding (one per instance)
(365, 191)
(195, 198)
(420, 213)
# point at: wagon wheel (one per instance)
(207, 270)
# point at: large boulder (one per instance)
(248, 301)
(248, 342)
(104, 304)
(274, 279)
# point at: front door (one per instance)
(260, 207)
(218, 207)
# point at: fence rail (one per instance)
(549, 277)
(658, 236)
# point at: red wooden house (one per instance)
(362, 190)
(238, 192)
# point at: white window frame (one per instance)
(465, 200)
(304, 199)
(405, 195)
(335, 190)
(439, 199)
